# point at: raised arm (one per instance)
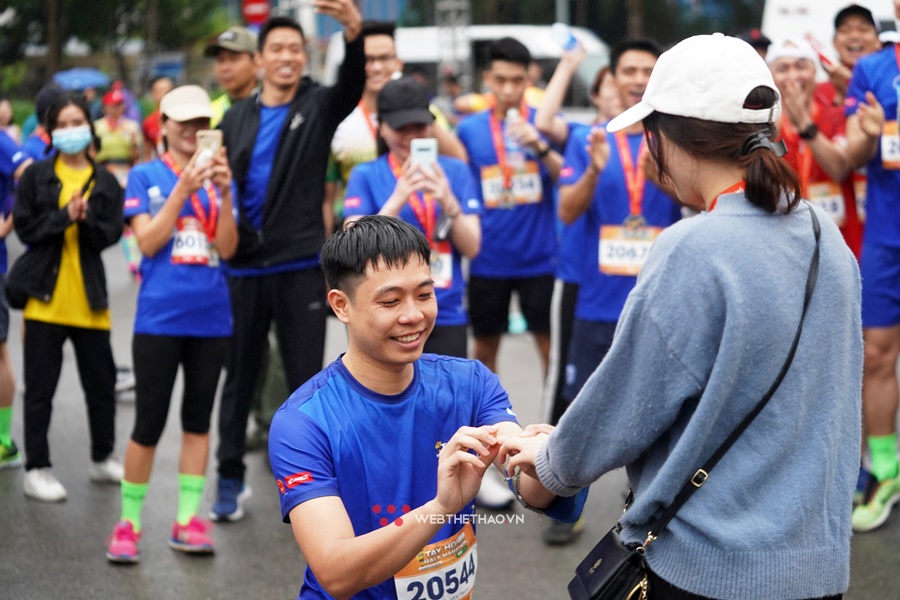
(547, 119)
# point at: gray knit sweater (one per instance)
(702, 337)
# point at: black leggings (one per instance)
(156, 359)
(660, 589)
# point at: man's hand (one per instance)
(521, 450)
(795, 107)
(598, 149)
(526, 134)
(460, 471)
(345, 12)
(871, 116)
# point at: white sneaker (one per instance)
(40, 484)
(107, 471)
(494, 494)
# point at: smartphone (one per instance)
(423, 151)
(208, 143)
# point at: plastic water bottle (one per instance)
(562, 35)
(515, 153)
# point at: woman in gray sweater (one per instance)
(702, 338)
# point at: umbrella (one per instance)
(80, 78)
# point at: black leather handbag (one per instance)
(613, 570)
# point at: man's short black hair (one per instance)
(388, 28)
(347, 253)
(640, 44)
(277, 23)
(508, 50)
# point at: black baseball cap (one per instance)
(45, 98)
(404, 101)
(755, 38)
(855, 10)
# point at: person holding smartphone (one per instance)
(180, 207)
(434, 193)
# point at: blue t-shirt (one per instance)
(601, 297)
(252, 193)
(370, 186)
(182, 300)
(876, 73)
(334, 437)
(8, 150)
(518, 241)
(34, 147)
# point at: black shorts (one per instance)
(489, 303)
(448, 340)
(4, 311)
(590, 343)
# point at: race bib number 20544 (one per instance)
(444, 570)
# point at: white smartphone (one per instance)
(423, 151)
(208, 143)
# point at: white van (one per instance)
(419, 49)
(799, 18)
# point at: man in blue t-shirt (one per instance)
(515, 168)
(874, 142)
(378, 458)
(278, 143)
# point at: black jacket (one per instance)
(41, 224)
(293, 225)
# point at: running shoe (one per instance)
(124, 380)
(106, 471)
(877, 509)
(230, 499)
(193, 537)
(9, 456)
(40, 484)
(121, 546)
(494, 494)
(865, 487)
(560, 534)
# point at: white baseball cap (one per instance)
(185, 103)
(706, 77)
(791, 48)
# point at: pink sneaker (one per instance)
(193, 537)
(122, 544)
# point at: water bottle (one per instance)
(563, 36)
(515, 153)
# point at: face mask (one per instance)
(72, 140)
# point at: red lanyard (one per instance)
(368, 117)
(424, 208)
(209, 225)
(805, 155)
(740, 186)
(500, 147)
(635, 179)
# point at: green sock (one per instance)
(190, 492)
(883, 449)
(5, 425)
(132, 502)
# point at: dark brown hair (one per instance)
(771, 183)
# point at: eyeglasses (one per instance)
(384, 58)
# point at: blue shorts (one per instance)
(880, 270)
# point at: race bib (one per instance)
(890, 145)
(191, 246)
(442, 265)
(623, 250)
(444, 570)
(828, 196)
(527, 187)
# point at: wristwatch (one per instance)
(543, 152)
(810, 132)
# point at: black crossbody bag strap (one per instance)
(700, 477)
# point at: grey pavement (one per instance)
(57, 550)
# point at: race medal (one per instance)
(442, 265)
(828, 196)
(214, 260)
(445, 570)
(859, 190)
(190, 246)
(624, 248)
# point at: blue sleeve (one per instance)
(463, 186)
(8, 149)
(574, 161)
(856, 91)
(494, 406)
(301, 460)
(137, 200)
(359, 199)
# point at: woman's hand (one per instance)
(435, 182)
(221, 173)
(410, 180)
(193, 175)
(521, 450)
(77, 207)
